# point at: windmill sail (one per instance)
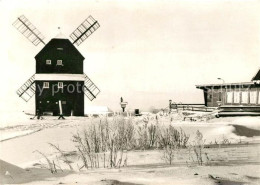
(90, 89)
(84, 30)
(23, 25)
(27, 90)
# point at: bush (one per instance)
(197, 149)
(171, 140)
(106, 142)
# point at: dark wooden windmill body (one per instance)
(59, 76)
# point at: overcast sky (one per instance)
(145, 51)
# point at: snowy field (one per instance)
(20, 124)
(237, 162)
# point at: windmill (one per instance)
(59, 77)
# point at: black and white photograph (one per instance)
(130, 92)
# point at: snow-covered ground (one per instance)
(20, 124)
(21, 137)
(235, 165)
(11, 119)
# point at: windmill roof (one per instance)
(55, 43)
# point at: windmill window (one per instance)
(48, 62)
(46, 85)
(59, 63)
(60, 84)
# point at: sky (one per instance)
(144, 51)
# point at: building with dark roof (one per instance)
(242, 98)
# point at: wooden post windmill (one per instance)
(59, 77)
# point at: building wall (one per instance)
(232, 95)
(213, 95)
(243, 96)
(71, 95)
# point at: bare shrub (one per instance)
(152, 135)
(169, 152)
(51, 164)
(172, 136)
(171, 141)
(106, 142)
(147, 136)
(62, 156)
(225, 141)
(197, 149)
(142, 137)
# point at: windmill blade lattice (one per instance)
(27, 90)
(90, 89)
(84, 30)
(23, 25)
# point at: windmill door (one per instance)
(66, 107)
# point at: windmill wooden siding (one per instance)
(59, 49)
(72, 101)
(234, 97)
(72, 63)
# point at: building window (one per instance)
(209, 97)
(46, 85)
(236, 97)
(59, 63)
(60, 84)
(259, 97)
(244, 97)
(63, 102)
(60, 49)
(252, 96)
(229, 97)
(48, 62)
(219, 96)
